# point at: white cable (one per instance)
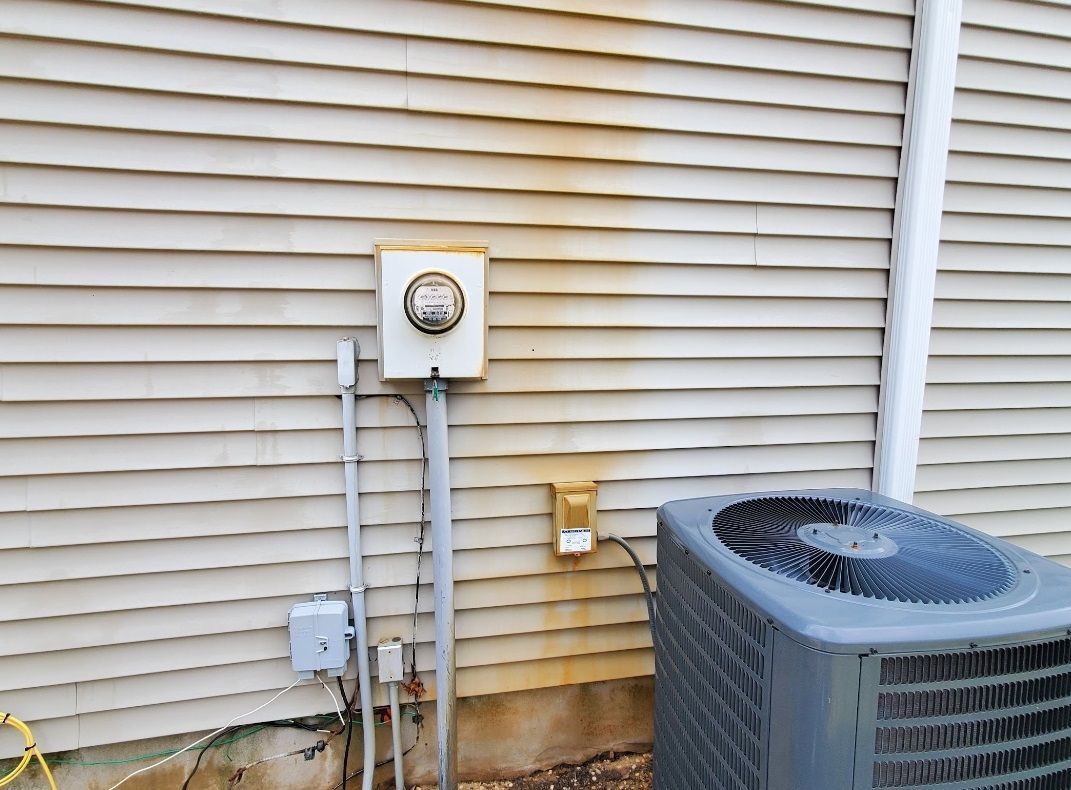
(334, 699)
(206, 737)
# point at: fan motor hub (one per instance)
(847, 541)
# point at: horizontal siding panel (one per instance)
(156, 307)
(185, 269)
(105, 418)
(1003, 342)
(944, 370)
(41, 145)
(1016, 171)
(518, 514)
(1047, 19)
(997, 395)
(633, 75)
(202, 34)
(992, 474)
(348, 273)
(1011, 78)
(235, 617)
(1020, 522)
(63, 455)
(1002, 287)
(1006, 200)
(972, 257)
(234, 344)
(772, 18)
(108, 489)
(431, 94)
(1013, 110)
(253, 121)
(1043, 50)
(993, 448)
(1006, 229)
(81, 596)
(1009, 314)
(544, 30)
(229, 551)
(196, 74)
(182, 73)
(202, 232)
(991, 138)
(996, 422)
(107, 381)
(997, 499)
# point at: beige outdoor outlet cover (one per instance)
(575, 509)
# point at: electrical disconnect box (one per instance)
(432, 301)
(320, 634)
(390, 660)
(574, 518)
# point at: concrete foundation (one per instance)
(499, 736)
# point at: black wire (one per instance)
(423, 512)
(201, 753)
(643, 578)
(380, 764)
(349, 728)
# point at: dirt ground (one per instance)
(616, 772)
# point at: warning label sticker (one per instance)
(575, 540)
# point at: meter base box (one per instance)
(408, 352)
(320, 634)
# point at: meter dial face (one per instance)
(434, 302)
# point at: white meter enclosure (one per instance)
(432, 301)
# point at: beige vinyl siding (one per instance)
(996, 430)
(689, 211)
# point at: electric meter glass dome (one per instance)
(434, 302)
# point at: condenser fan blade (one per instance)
(856, 548)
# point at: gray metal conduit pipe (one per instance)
(442, 558)
(348, 351)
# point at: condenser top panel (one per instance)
(846, 570)
(432, 303)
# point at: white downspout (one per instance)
(916, 236)
(348, 351)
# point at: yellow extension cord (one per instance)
(30, 752)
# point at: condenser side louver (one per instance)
(840, 640)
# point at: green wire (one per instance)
(168, 752)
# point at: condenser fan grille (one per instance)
(853, 547)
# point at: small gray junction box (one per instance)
(320, 634)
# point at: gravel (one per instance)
(619, 772)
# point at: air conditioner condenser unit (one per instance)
(840, 640)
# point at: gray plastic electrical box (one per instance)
(320, 634)
(390, 660)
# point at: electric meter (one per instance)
(434, 302)
(431, 297)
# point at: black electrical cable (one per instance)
(201, 753)
(349, 728)
(423, 512)
(380, 764)
(643, 578)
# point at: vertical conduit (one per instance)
(916, 236)
(442, 555)
(348, 351)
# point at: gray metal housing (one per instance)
(767, 683)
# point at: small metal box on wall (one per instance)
(432, 303)
(575, 511)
